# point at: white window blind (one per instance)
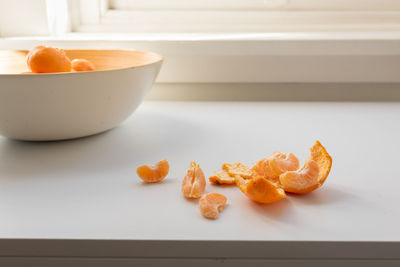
(189, 4)
(189, 16)
(256, 4)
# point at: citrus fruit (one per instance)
(46, 59)
(312, 175)
(80, 64)
(211, 205)
(276, 164)
(194, 182)
(260, 189)
(222, 177)
(153, 173)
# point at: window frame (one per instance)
(279, 57)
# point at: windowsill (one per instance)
(272, 92)
(251, 57)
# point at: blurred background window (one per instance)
(55, 17)
(223, 41)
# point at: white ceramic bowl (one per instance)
(56, 106)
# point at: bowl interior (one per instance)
(14, 62)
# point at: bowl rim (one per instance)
(160, 60)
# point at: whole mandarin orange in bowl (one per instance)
(46, 59)
(43, 98)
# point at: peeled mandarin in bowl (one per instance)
(80, 64)
(46, 59)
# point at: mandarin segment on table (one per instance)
(194, 182)
(302, 179)
(211, 205)
(275, 165)
(153, 173)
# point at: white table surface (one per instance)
(87, 189)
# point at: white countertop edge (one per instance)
(199, 249)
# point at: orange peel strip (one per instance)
(260, 189)
(222, 177)
(323, 159)
(238, 168)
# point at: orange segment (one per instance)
(222, 177)
(153, 173)
(284, 163)
(46, 59)
(300, 182)
(194, 183)
(263, 168)
(211, 205)
(276, 164)
(260, 189)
